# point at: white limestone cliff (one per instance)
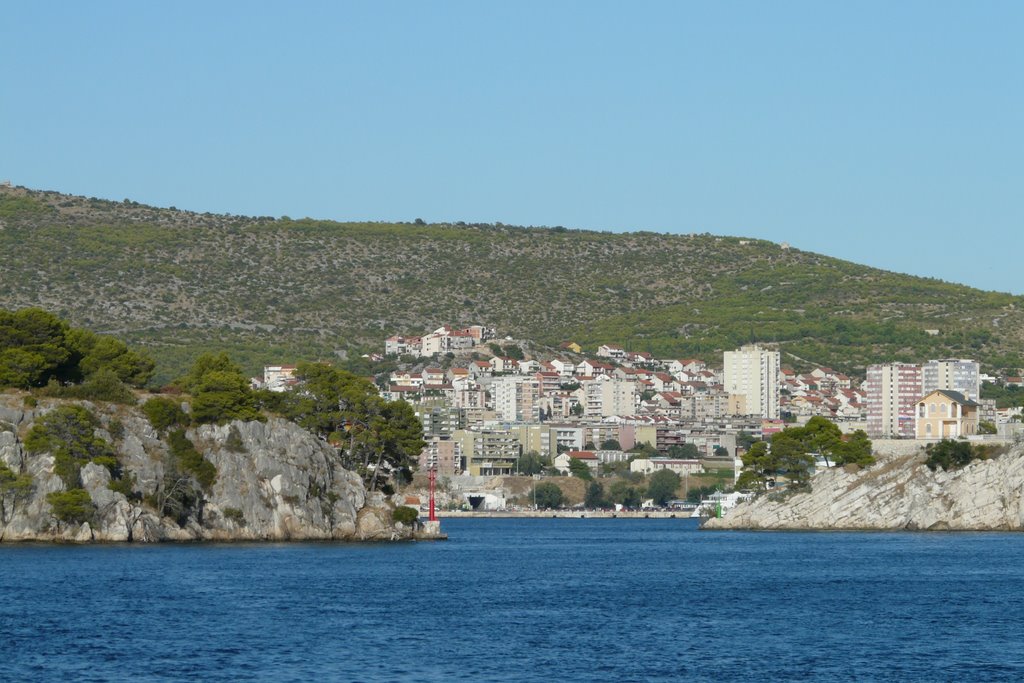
(896, 493)
(275, 481)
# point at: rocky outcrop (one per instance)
(896, 493)
(275, 481)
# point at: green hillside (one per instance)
(280, 290)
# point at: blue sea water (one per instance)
(523, 600)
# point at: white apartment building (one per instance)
(752, 373)
(892, 391)
(571, 437)
(516, 398)
(605, 396)
(952, 374)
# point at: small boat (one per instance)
(718, 503)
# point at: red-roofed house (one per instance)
(561, 461)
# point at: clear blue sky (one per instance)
(887, 133)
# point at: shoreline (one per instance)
(567, 514)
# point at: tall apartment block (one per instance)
(752, 373)
(953, 374)
(892, 391)
(516, 399)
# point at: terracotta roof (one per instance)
(582, 455)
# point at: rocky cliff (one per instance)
(896, 493)
(274, 481)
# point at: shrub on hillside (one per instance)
(406, 515)
(164, 413)
(103, 385)
(69, 433)
(73, 506)
(949, 455)
(191, 460)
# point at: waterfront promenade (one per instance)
(575, 514)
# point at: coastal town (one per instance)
(490, 408)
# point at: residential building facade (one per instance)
(953, 374)
(943, 414)
(892, 391)
(753, 374)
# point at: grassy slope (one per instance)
(281, 290)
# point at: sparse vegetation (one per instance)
(15, 490)
(191, 460)
(69, 433)
(235, 515)
(188, 283)
(234, 441)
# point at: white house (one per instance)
(562, 460)
(563, 367)
(611, 351)
(651, 465)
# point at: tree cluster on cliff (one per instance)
(791, 453)
(38, 349)
(220, 391)
(952, 454)
(379, 439)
